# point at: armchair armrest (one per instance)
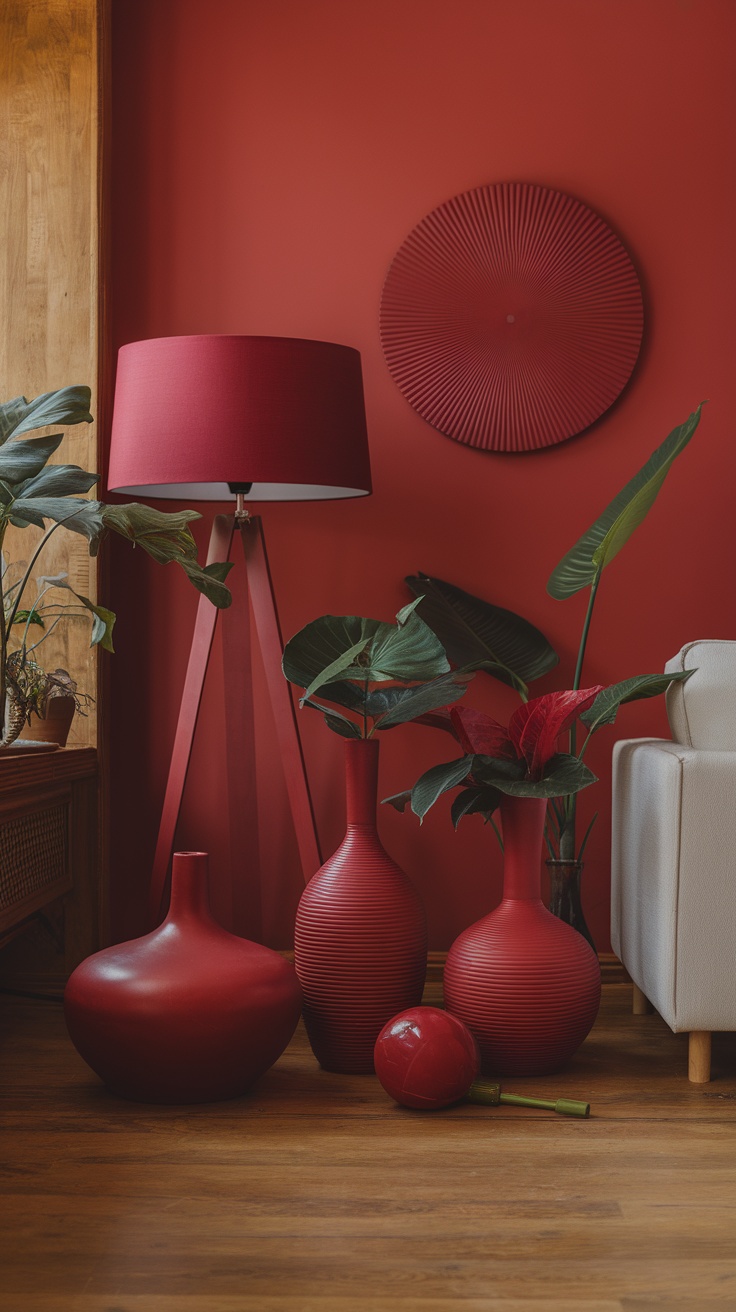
(673, 878)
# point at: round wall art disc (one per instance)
(511, 317)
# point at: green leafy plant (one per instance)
(34, 492)
(381, 674)
(520, 760)
(33, 688)
(518, 653)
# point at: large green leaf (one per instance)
(22, 460)
(363, 649)
(597, 548)
(57, 481)
(563, 775)
(69, 405)
(166, 536)
(425, 697)
(433, 783)
(605, 707)
(85, 517)
(472, 630)
(343, 663)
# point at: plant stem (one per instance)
(586, 628)
(365, 708)
(567, 833)
(31, 563)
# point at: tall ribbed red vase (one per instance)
(360, 945)
(189, 1013)
(527, 985)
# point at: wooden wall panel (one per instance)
(50, 165)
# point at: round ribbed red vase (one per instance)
(189, 1013)
(527, 985)
(360, 944)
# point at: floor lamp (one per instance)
(213, 418)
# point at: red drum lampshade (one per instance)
(200, 418)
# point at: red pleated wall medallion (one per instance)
(511, 317)
(526, 985)
(360, 945)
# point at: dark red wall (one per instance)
(269, 158)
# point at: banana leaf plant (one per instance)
(51, 496)
(517, 653)
(379, 674)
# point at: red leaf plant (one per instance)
(533, 730)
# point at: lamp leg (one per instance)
(220, 545)
(241, 777)
(243, 876)
(263, 603)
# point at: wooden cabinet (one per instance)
(51, 886)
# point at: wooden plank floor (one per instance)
(318, 1194)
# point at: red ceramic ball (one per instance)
(426, 1058)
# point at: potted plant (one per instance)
(360, 939)
(49, 496)
(48, 701)
(517, 653)
(526, 984)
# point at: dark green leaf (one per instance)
(83, 517)
(57, 481)
(167, 538)
(363, 649)
(596, 548)
(335, 721)
(341, 665)
(349, 695)
(69, 405)
(22, 460)
(472, 630)
(381, 700)
(425, 697)
(409, 651)
(605, 707)
(562, 776)
(472, 801)
(436, 781)
(399, 801)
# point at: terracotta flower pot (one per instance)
(189, 1013)
(361, 937)
(54, 726)
(526, 984)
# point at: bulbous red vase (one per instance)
(360, 945)
(527, 985)
(189, 1013)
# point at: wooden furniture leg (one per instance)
(642, 1005)
(698, 1056)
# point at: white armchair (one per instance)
(673, 860)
